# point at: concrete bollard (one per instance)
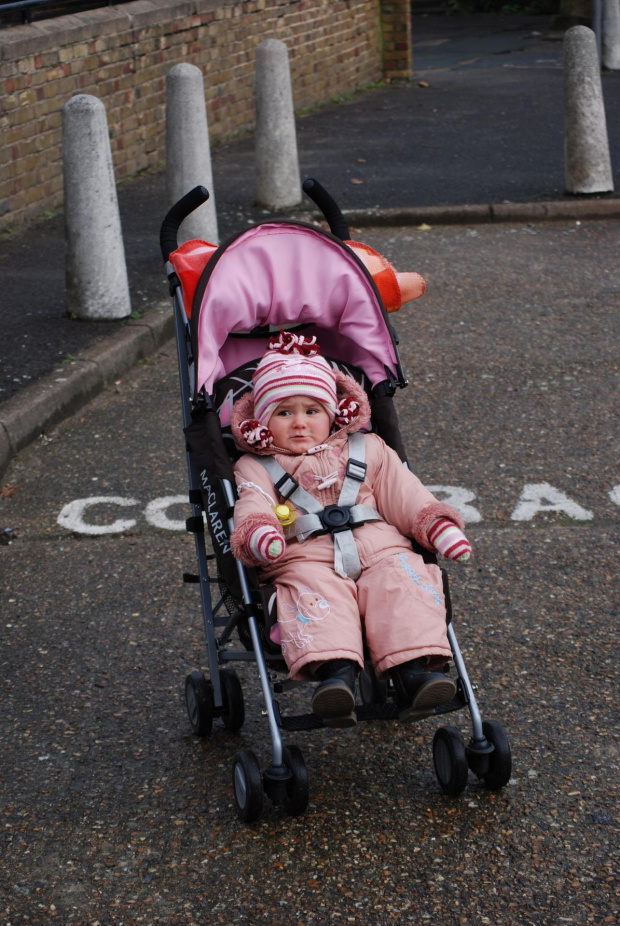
(611, 35)
(96, 272)
(586, 146)
(278, 183)
(188, 153)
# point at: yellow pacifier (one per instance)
(285, 514)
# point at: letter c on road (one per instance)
(72, 515)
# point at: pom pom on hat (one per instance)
(255, 434)
(289, 343)
(348, 411)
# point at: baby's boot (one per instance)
(334, 697)
(419, 691)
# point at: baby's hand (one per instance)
(265, 544)
(449, 540)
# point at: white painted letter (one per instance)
(531, 502)
(458, 498)
(155, 512)
(72, 515)
(614, 494)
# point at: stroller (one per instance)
(228, 301)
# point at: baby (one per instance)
(325, 511)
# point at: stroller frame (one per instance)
(285, 780)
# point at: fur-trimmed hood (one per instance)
(243, 409)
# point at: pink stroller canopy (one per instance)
(280, 274)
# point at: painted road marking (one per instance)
(534, 498)
(155, 513)
(72, 515)
(540, 496)
(459, 498)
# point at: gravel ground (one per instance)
(114, 813)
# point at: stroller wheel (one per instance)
(234, 710)
(199, 703)
(371, 689)
(248, 786)
(450, 759)
(500, 760)
(297, 791)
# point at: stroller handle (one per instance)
(328, 206)
(175, 216)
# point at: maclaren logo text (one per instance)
(217, 528)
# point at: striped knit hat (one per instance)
(292, 366)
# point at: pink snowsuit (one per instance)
(397, 602)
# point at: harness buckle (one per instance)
(356, 470)
(335, 518)
(286, 485)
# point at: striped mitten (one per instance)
(265, 544)
(449, 540)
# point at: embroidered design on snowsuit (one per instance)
(309, 607)
(425, 586)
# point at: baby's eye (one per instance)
(283, 413)
(312, 411)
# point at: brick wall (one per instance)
(397, 51)
(122, 55)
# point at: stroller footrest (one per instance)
(458, 701)
(387, 711)
(302, 722)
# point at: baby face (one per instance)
(299, 423)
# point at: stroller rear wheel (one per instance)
(199, 703)
(297, 791)
(247, 786)
(500, 760)
(450, 759)
(232, 692)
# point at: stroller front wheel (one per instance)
(247, 786)
(199, 703)
(500, 760)
(450, 759)
(297, 791)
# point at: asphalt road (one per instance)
(114, 813)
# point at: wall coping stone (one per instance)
(49, 34)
